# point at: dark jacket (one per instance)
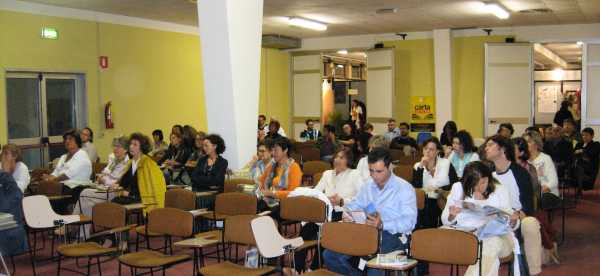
(12, 241)
(180, 154)
(205, 177)
(589, 160)
(523, 179)
(561, 115)
(400, 141)
(315, 134)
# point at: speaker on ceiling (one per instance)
(509, 40)
(378, 45)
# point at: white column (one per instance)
(442, 56)
(230, 38)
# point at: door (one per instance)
(40, 108)
(508, 86)
(380, 88)
(590, 113)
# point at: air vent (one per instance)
(280, 42)
(543, 10)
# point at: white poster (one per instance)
(547, 97)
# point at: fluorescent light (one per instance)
(342, 52)
(308, 24)
(497, 10)
(558, 74)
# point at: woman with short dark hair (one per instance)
(210, 170)
(143, 180)
(462, 151)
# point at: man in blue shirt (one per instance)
(390, 204)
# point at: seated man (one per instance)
(310, 133)
(389, 203)
(401, 141)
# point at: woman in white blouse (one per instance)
(480, 188)
(11, 162)
(462, 151)
(73, 165)
(431, 174)
(543, 164)
(342, 183)
(108, 178)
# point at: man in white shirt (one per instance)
(342, 183)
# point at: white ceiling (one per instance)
(569, 52)
(349, 17)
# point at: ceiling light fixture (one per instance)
(579, 43)
(308, 24)
(497, 10)
(386, 10)
(342, 52)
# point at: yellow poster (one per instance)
(422, 117)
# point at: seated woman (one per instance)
(87, 138)
(377, 141)
(259, 162)
(13, 241)
(545, 169)
(143, 181)
(75, 165)
(480, 188)
(11, 162)
(209, 174)
(281, 176)
(110, 175)
(175, 157)
(431, 174)
(185, 177)
(462, 152)
(341, 184)
(159, 147)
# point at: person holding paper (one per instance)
(480, 188)
(389, 203)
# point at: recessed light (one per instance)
(342, 52)
(579, 43)
(306, 23)
(386, 11)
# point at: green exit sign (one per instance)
(49, 33)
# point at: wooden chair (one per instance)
(97, 168)
(306, 209)
(460, 248)
(310, 154)
(310, 168)
(316, 178)
(341, 237)
(420, 194)
(107, 219)
(404, 171)
(176, 198)
(238, 230)
(231, 185)
(168, 222)
(397, 154)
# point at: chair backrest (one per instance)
(36, 174)
(445, 246)
(420, 194)
(108, 215)
(171, 222)
(180, 199)
(38, 212)
(404, 171)
(239, 230)
(231, 185)
(350, 238)
(50, 188)
(317, 178)
(422, 136)
(313, 167)
(235, 203)
(97, 167)
(303, 208)
(269, 241)
(397, 154)
(310, 154)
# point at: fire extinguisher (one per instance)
(108, 122)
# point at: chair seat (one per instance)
(212, 216)
(83, 220)
(149, 259)
(307, 244)
(141, 230)
(320, 272)
(84, 249)
(228, 269)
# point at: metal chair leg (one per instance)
(58, 266)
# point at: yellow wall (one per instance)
(468, 60)
(274, 100)
(414, 73)
(154, 79)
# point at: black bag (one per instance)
(125, 200)
(550, 201)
